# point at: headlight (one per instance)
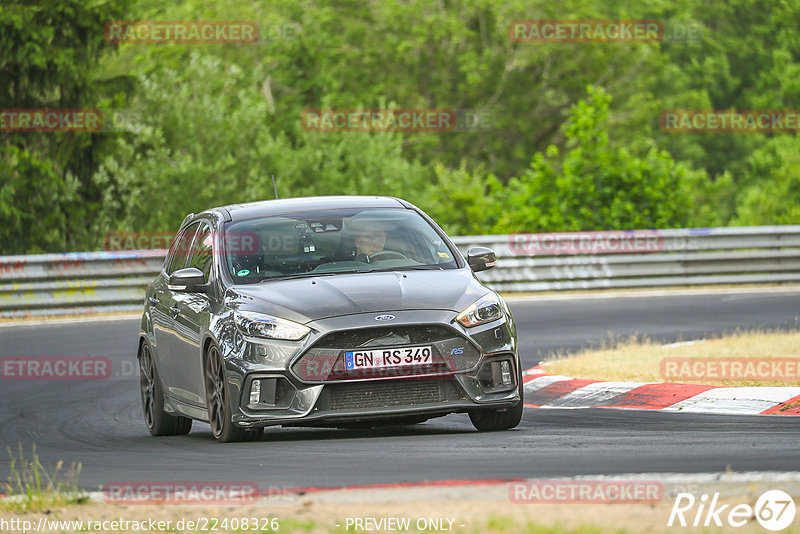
(262, 325)
(484, 310)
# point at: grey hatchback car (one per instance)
(344, 311)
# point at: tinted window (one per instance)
(202, 251)
(333, 241)
(181, 246)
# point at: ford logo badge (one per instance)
(384, 317)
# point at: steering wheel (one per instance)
(387, 255)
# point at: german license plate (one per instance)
(389, 357)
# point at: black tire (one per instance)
(488, 419)
(158, 422)
(219, 403)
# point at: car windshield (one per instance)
(332, 241)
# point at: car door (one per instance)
(159, 302)
(162, 306)
(193, 309)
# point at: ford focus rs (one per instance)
(323, 311)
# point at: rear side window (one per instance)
(202, 251)
(181, 246)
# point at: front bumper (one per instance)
(290, 396)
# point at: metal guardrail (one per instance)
(92, 282)
(694, 256)
(76, 283)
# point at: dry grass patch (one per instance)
(640, 361)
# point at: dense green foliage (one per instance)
(575, 141)
(48, 58)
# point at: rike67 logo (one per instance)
(774, 510)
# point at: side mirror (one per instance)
(189, 280)
(481, 259)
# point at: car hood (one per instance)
(312, 298)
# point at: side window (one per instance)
(179, 251)
(203, 251)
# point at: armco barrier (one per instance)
(80, 283)
(76, 283)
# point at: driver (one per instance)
(369, 240)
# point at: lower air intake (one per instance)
(387, 393)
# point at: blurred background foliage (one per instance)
(575, 143)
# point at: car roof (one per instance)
(289, 205)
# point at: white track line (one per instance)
(739, 400)
(539, 383)
(593, 394)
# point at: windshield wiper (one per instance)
(354, 271)
(308, 275)
(407, 268)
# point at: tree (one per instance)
(47, 60)
(773, 196)
(204, 136)
(596, 185)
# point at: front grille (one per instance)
(324, 361)
(390, 393)
(384, 336)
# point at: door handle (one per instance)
(152, 300)
(174, 310)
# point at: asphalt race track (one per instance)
(99, 423)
